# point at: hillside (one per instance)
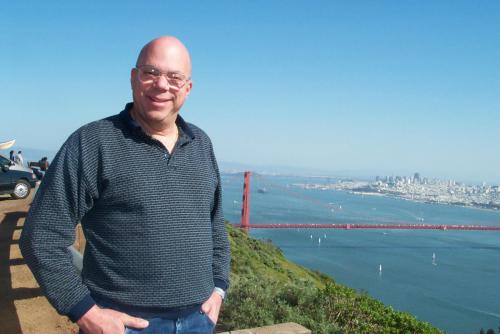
(267, 289)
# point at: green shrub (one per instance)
(267, 289)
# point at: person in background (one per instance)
(146, 187)
(19, 158)
(12, 156)
(44, 164)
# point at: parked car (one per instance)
(15, 180)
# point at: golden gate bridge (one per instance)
(245, 219)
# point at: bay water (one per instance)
(447, 278)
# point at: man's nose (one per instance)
(162, 82)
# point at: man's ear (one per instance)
(189, 86)
(133, 74)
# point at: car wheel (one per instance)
(21, 190)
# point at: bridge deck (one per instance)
(380, 226)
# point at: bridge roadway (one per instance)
(379, 226)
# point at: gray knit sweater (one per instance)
(153, 221)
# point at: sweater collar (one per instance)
(133, 125)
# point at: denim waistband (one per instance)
(149, 312)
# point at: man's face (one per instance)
(156, 101)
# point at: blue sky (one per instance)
(382, 87)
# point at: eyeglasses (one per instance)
(149, 74)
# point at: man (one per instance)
(44, 164)
(12, 156)
(18, 158)
(146, 187)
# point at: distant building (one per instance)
(416, 178)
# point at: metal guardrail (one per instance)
(77, 259)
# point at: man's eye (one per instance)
(175, 76)
(152, 71)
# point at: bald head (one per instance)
(166, 48)
(158, 100)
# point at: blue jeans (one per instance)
(196, 322)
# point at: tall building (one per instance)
(416, 177)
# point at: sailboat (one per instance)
(7, 144)
(262, 190)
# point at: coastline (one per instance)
(366, 193)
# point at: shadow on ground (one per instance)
(9, 319)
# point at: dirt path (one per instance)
(23, 308)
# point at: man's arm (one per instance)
(67, 193)
(221, 250)
(63, 198)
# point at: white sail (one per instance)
(7, 144)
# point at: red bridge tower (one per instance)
(245, 205)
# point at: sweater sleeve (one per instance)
(61, 201)
(221, 248)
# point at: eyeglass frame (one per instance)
(184, 79)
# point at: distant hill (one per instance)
(268, 289)
(232, 167)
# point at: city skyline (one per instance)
(385, 87)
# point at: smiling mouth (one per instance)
(158, 100)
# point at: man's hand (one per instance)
(212, 307)
(106, 321)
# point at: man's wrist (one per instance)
(88, 316)
(220, 292)
(82, 307)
